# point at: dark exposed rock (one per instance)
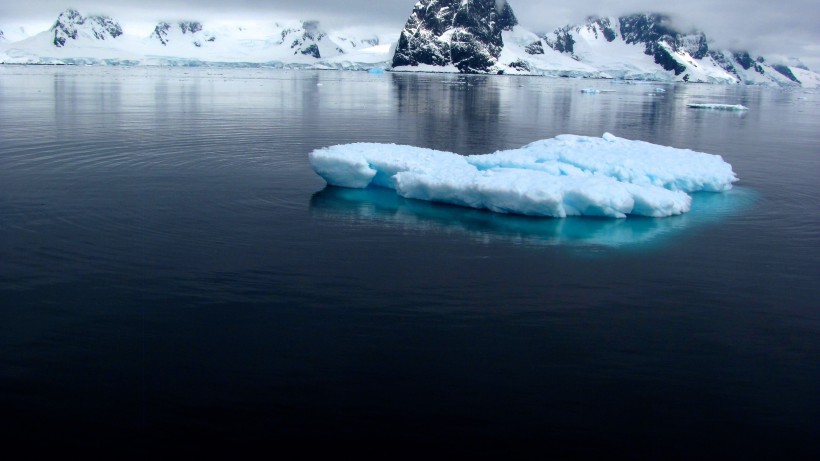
(563, 41)
(534, 48)
(305, 42)
(656, 32)
(734, 62)
(70, 22)
(747, 62)
(744, 59)
(311, 50)
(464, 33)
(594, 24)
(606, 28)
(66, 26)
(163, 29)
(520, 65)
(665, 59)
(786, 71)
(724, 62)
(104, 26)
(161, 32)
(190, 27)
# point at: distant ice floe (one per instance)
(734, 107)
(595, 91)
(564, 176)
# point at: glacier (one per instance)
(568, 175)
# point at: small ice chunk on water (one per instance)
(735, 107)
(564, 176)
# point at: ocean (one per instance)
(174, 276)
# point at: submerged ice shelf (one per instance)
(564, 176)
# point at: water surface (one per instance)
(174, 275)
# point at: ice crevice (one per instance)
(564, 176)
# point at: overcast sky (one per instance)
(771, 28)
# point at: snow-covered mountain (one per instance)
(78, 39)
(471, 36)
(71, 25)
(189, 31)
(10, 33)
(647, 47)
(634, 47)
(465, 34)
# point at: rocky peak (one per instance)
(190, 27)
(786, 72)
(465, 33)
(746, 61)
(161, 32)
(735, 62)
(561, 40)
(70, 24)
(595, 25)
(164, 32)
(652, 29)
(305, 39)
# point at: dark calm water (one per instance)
(174, 275)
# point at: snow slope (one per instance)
(807, 78)
(76, 39)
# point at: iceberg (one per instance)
(735, 107)
(564, 176)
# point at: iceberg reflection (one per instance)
(376, 206)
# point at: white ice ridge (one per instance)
(564, 176)
(718, 106)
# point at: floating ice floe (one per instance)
(595, 91)
(718, 106)
(564, 176)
